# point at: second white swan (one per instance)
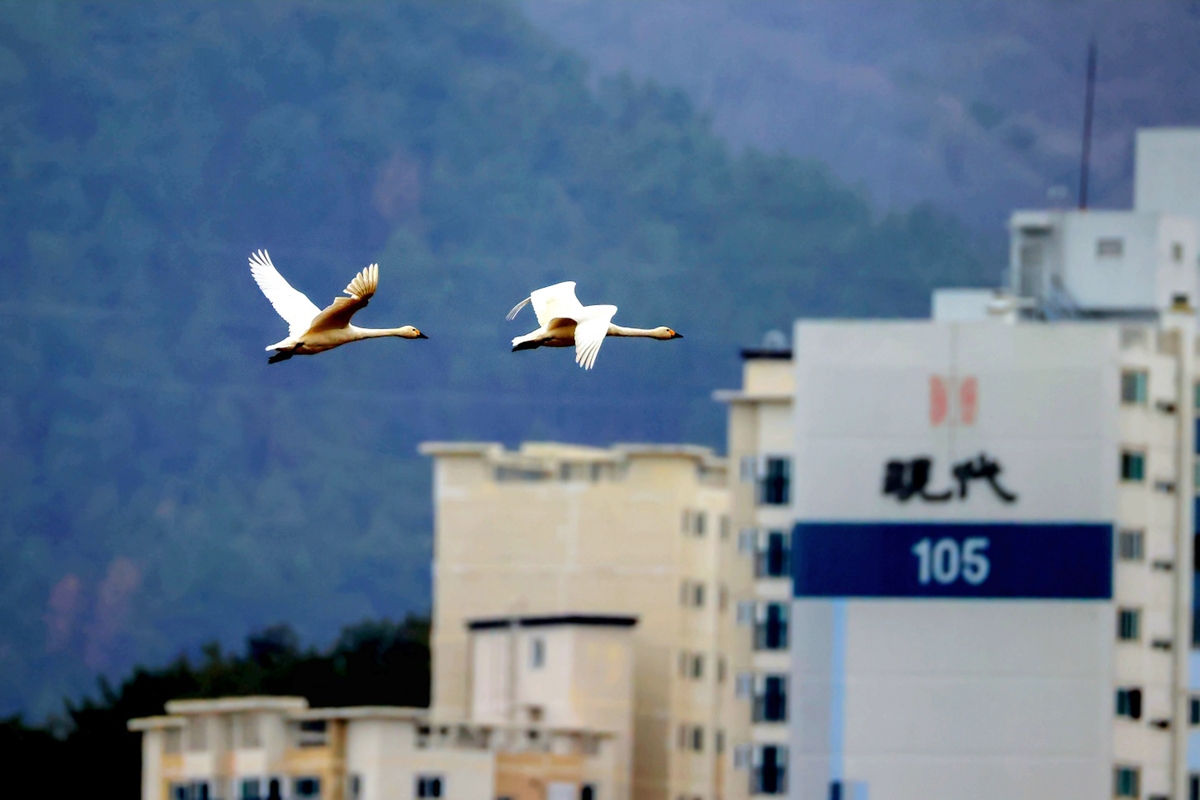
(564, 322)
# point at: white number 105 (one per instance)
(944, 562)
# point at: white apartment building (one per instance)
(991, 519)
(577, 668)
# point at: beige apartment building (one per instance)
(637, 530)
(760, 443)
(277, 748)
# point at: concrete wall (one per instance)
(918, 697)
(1167, 171)
(615, 545)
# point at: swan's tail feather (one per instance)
(513, 314)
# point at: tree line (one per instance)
(88, 749)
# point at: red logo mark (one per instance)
(940, 390)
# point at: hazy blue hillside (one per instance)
(162, 485)
(976, 105)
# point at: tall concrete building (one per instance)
(760, 444)
(637, 530)
(992, 539)
(991, 519)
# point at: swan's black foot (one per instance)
(525, 346)
(280, 355)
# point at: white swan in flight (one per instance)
(311, 330)
(563, 322)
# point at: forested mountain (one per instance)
(976, 105)
(162, 486)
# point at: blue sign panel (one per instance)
(928, 559)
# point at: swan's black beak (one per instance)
(421, 335)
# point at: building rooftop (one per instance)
(547, 454)
(232, 704)
(596, 620)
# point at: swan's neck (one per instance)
(376, 333)
(620, 330)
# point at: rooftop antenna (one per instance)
(1087, 125)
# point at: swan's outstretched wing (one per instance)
(339, 312)
(556, 301)
(590, 332)
(296, 309)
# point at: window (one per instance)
(771, 627)
(770, 770)
(744, 685)
(197, 734)
(773, 559)
(1131, 545)
(770, 698)
(1177, 252)
(691, 737)
(742, 756)
(247, 731)
(1129, 703)
(1032, 257)
(251, 789)
(1113, 247)
(537, 659)
(354, 787)
(746, 540)
(429, 786)
(587, 792)
(311, 733)
(1128, 624)
(747, 469)
(691, 593)
(719, 741)
(699, 523)
(194, 790)
(1133, 387)
(173, 740)
(1194, 711)
(691, 665)
(307, 787)
(775, 487)
(1133, 465)
(1125, 782)
(1196, 476)
(745, 612)
(504, 474)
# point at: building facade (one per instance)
(277, 748)
(760, 445)
(639, 530)
(992, 517)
